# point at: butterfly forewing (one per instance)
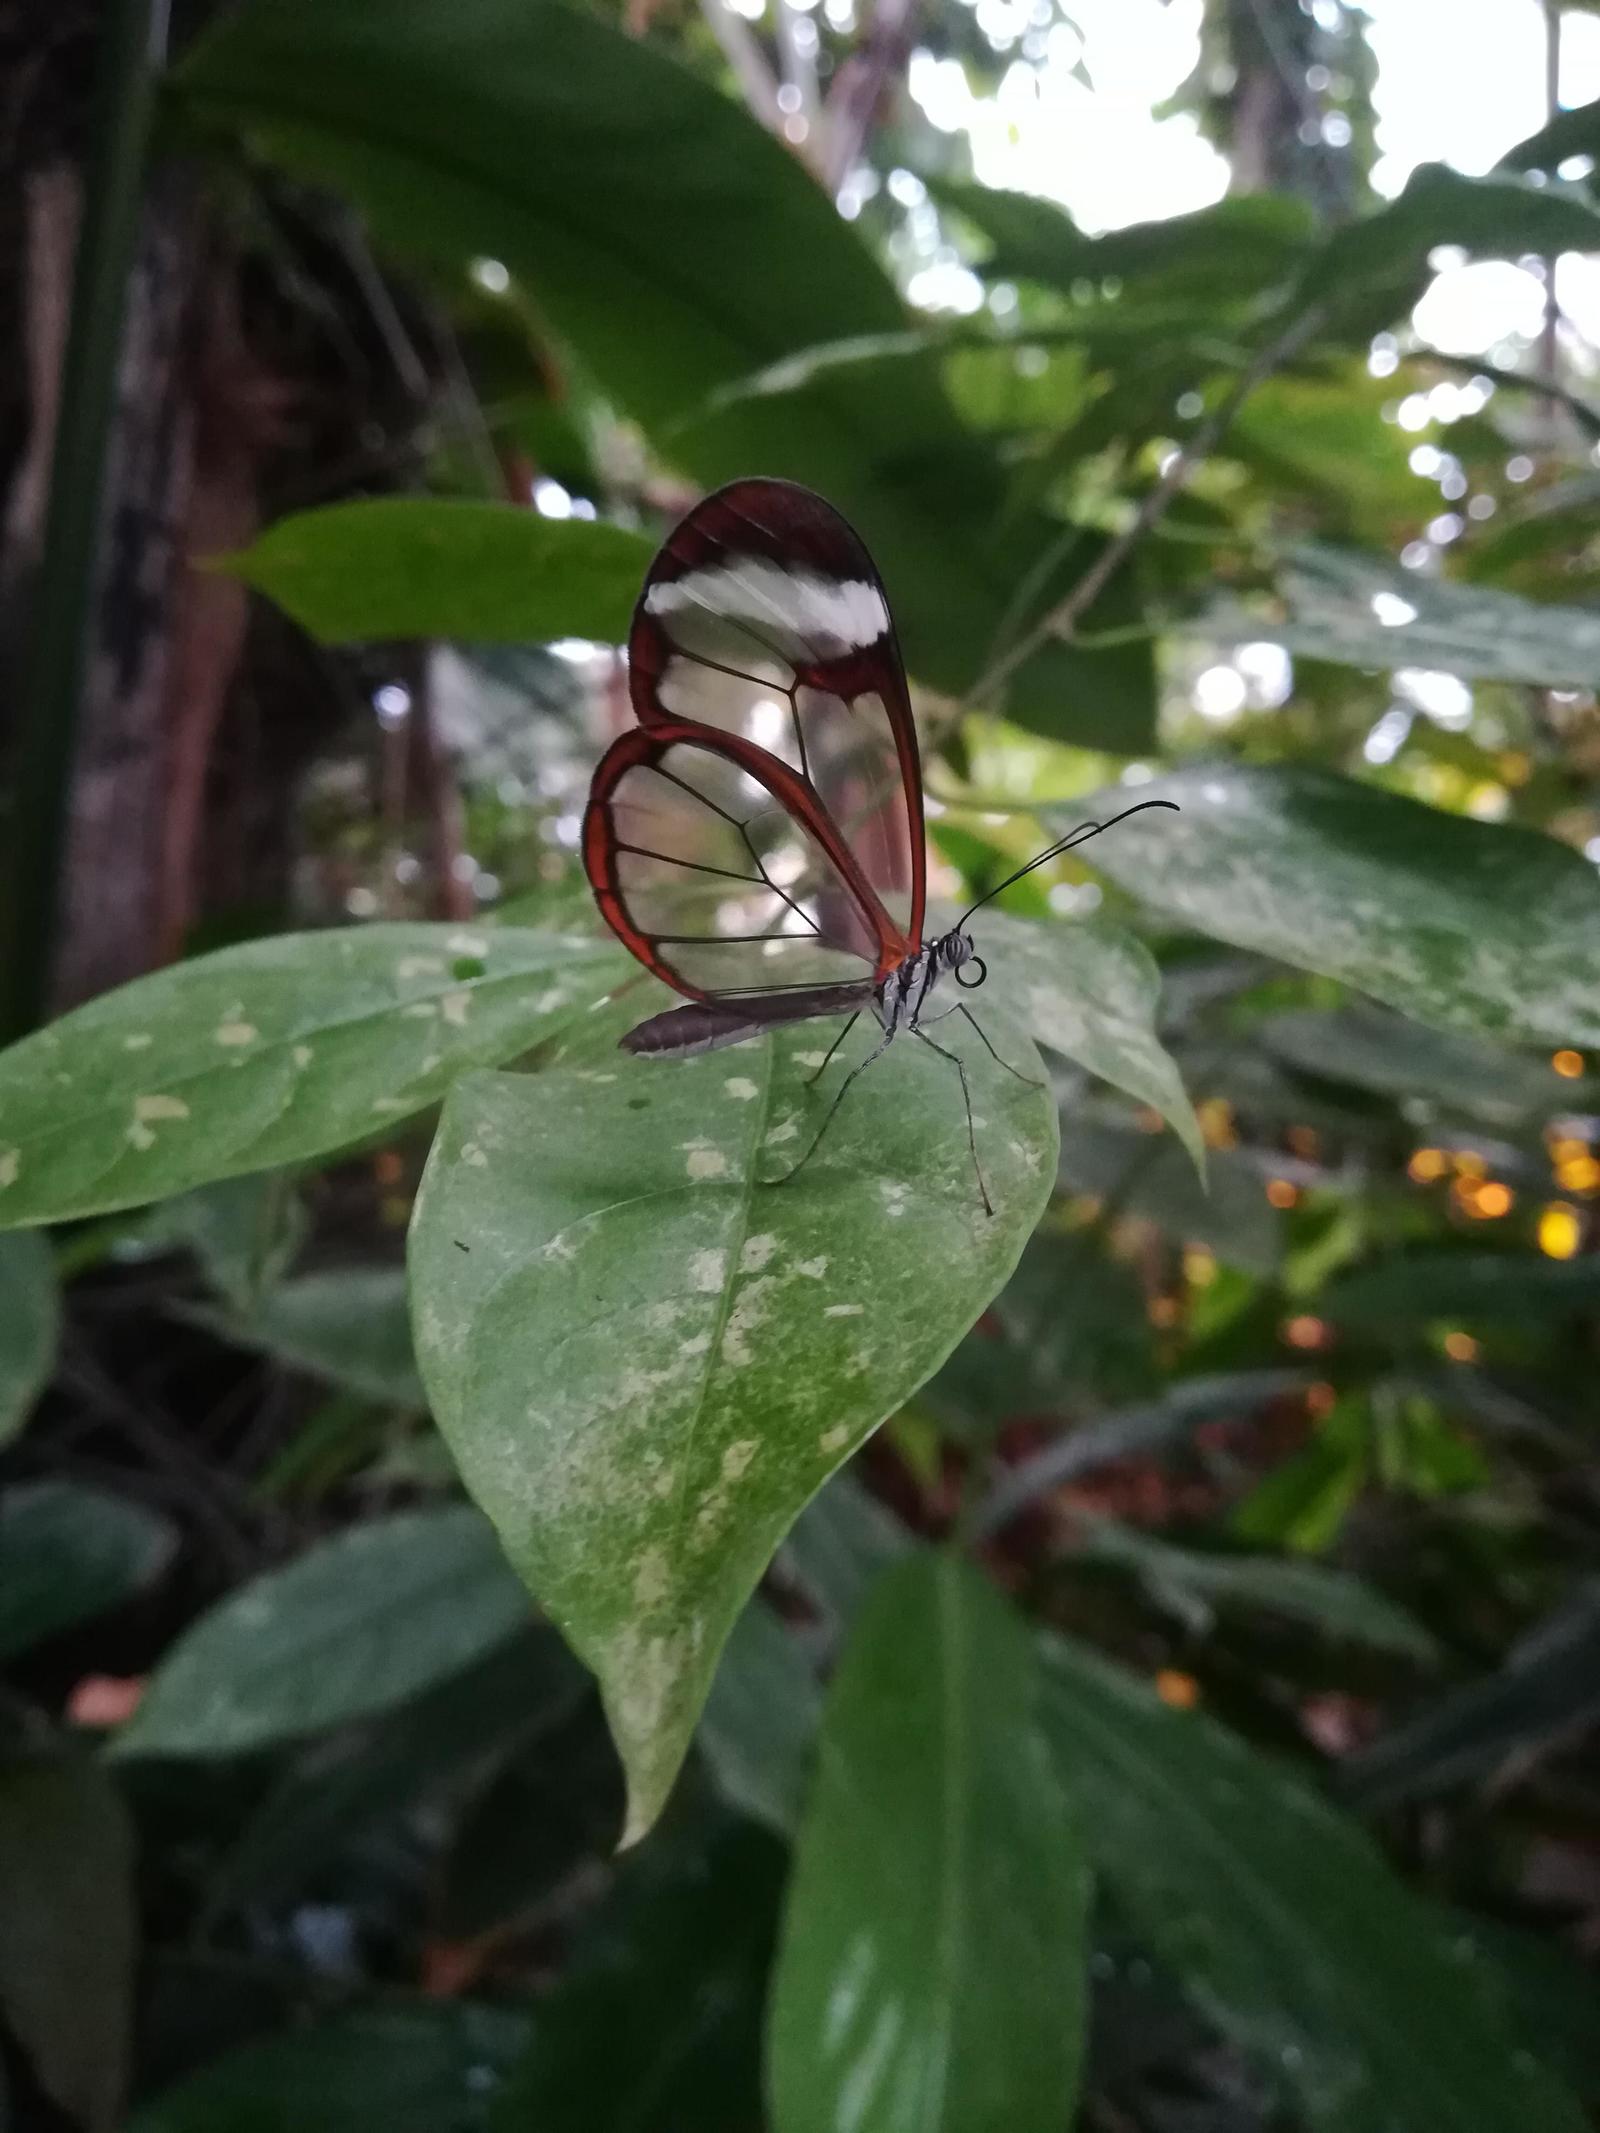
(707, 865)
(763, 617)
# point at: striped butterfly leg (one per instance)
(1027, 1080)
(860, 1067)
(966, 1098)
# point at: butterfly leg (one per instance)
(827, 1057)
(1027, 1080)
(966, 1098)
(860, 1067)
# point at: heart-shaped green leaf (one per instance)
(271, 1053)
(646, 1361)
(1461, 924)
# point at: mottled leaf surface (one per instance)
(931, 1976)
(1463, 924)
(1285, 1922)
(397, 566)
(356, 1626)
(646, 1361)
(271, 1053)
(30, 1326)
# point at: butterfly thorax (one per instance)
(902, 996)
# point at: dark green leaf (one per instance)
(933, 1964)
(271, 1053)
(428, 567)
(1547, 1690)
(1393, 1057)
(347, 1324)
(30, 1326)
(1193, 1585)
(67, 1553)
(656, 2022)
(435, 2067)
(1406, 1287)
(1239, 246)
(1461, 924)
(67, 1931)
(359, 1624)
(608, 1302)
(761, 1718)
(243, 1231)
(1285, 1923)
(343, 1791)
(1569, 133)
(1143, 1175)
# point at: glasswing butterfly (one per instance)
(757, 840)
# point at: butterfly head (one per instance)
(954, 951)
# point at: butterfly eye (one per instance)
(979, 971)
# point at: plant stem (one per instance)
(135, 43)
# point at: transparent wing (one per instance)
(713, 865)
(763, 617)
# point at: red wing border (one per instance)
(721, 794)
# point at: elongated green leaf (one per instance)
(646, 1361)
(1091, 990)
(426, 567)
(645, 211)
(67, 1553)
(30, 1327)
(1285, 1922)
(1229, 1211)
(1569, 133)
(243, 1231)
(271, 1053)
(1407, 1287)
(1361, 610)
(933, 1964)
(67, 1931)
(434, 2067)
(1193, 1585)
(355, 1627)
(347, 1324)
(1461, 924)
(1548, 1690)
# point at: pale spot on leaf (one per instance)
(740, 1088)
(843, 1310)
(141, 1137)
(467, 944)
(419, 966)
(421, 1010)
(749, 1312)
(787, 1130)
(140, 1041)
(757, 1251)
(234, 1033)
(149, 1108)
(390, 1103)
(813, 1269)
(835, 1439)
(548, 1002)
(894, 1197)
(455, 1007)
(10, 1165)
(707, 1271)
(706, 1162)
(652, 1581)
(473, 1154)
(302, 1055)
(737, 1457)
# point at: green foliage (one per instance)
(1343, 1309)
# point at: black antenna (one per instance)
(1080, 835)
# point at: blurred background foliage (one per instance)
(1212, 439)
